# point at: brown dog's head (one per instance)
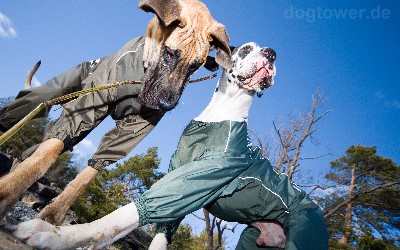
(177, 43)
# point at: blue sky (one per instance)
(347, 48)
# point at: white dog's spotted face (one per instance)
(253, 67)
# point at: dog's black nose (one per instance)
(269, 53)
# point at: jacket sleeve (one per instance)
(28, 99)
(119, 141)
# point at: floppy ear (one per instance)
(211, 64)
(167, 11)
(220, 39)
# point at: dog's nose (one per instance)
(168, 100)
(166, 106)
(269, 53)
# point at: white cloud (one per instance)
(84, 150)
(380, 95)
(80, 153)
(87, 144)
(339, 189)
(395, 104)
(7, 29)
(389, 103)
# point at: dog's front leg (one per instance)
(159, 242)
(14, 184)
(56, 211)
(96, 234)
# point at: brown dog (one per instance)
(176, 45)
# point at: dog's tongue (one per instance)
(259, 76)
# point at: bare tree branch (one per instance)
(209, 230)
(198, 217)
(315, 157)
(306, 133)
(315, 187)
(264, 151)
(292, 134)
(357, 195)
(220, 232)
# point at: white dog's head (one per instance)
(253, 67)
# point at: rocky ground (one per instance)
(8, 242)
(20, 212)
(35, 199)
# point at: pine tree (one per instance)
(185, 238)
(118, 186)
(61, 172)
(367, 196)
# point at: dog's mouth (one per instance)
(260, 78)
(262, 75)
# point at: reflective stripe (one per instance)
(244, 178)
(295, 186)
(130, 51)
(229, 136)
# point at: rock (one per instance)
(35, 199)
(135, 240)
(5, 163)
(9, 242)
(45, 192)
(19, 213)
(45, 181)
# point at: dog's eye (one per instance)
(170, 54)
(243, 52)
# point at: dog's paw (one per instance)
(45, 240)
(271, 235)
(159, 242)
(37, 233)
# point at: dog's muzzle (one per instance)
(163, 82)
(268, 69)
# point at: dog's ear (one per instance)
(167, 11)
(211, 64)
(220, 39)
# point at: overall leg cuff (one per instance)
(142, 211)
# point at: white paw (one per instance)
(159, 242)
(45, 240)
(38, 233)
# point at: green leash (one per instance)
(4, 137)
